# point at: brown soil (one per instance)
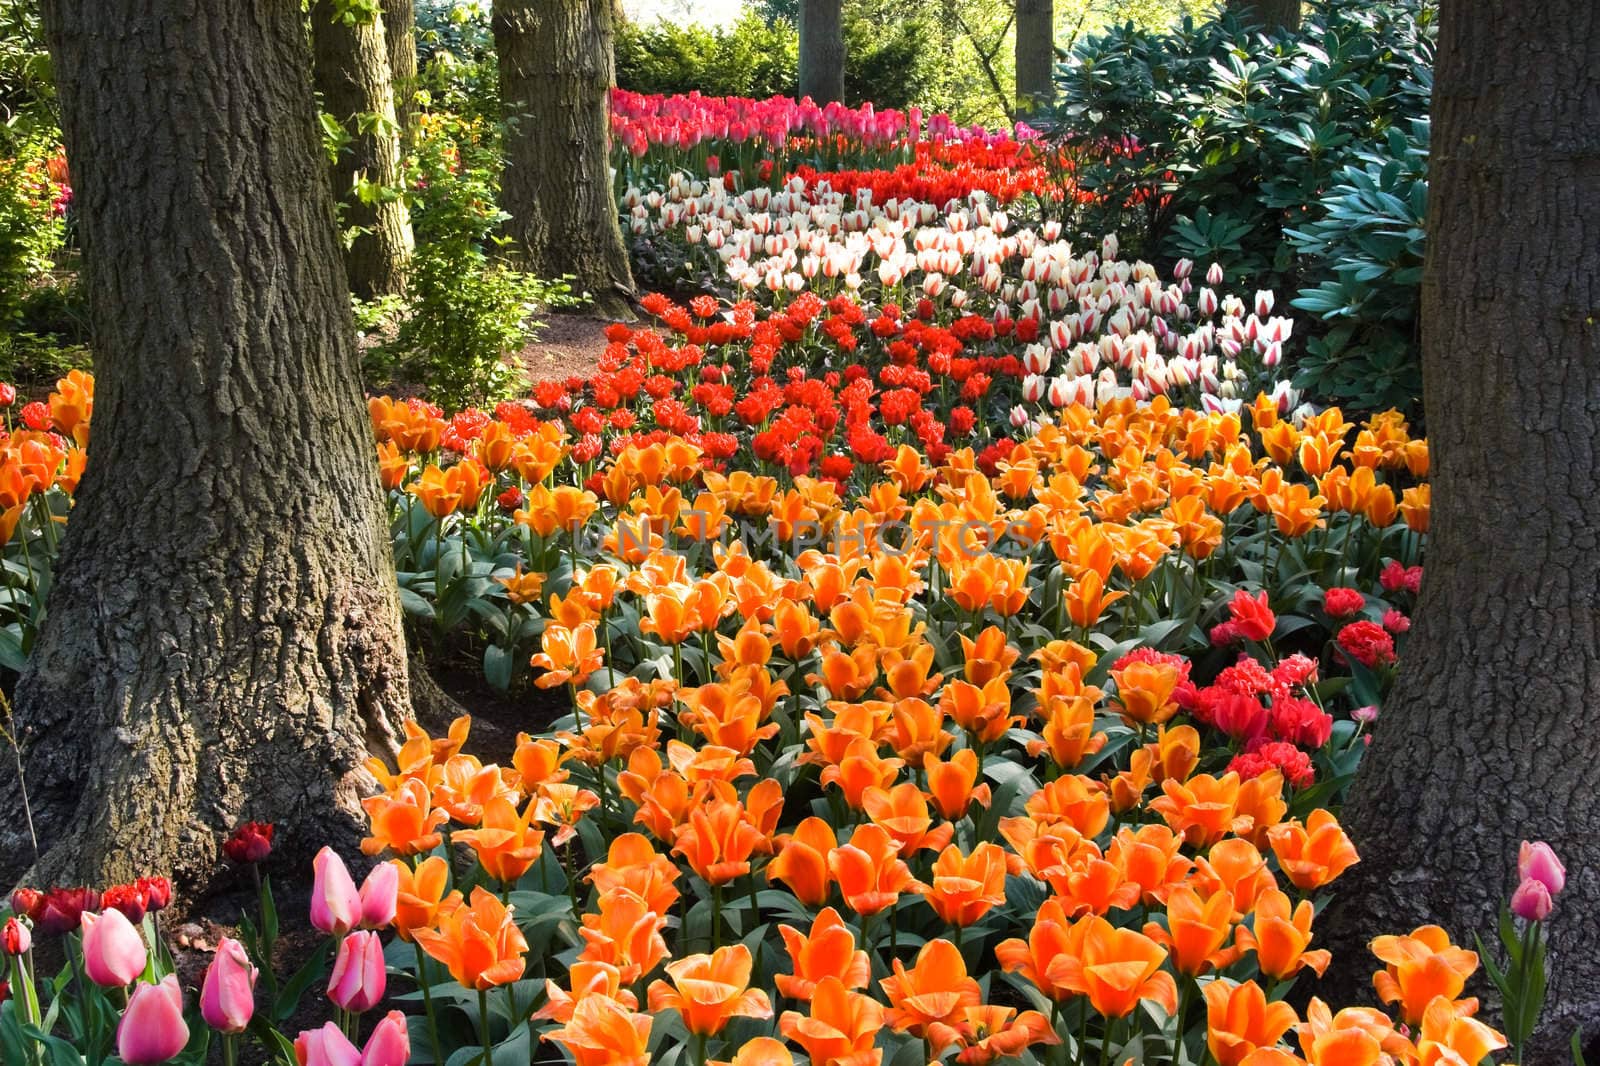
(569, 345)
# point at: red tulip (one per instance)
(15, 939)
(251, 842)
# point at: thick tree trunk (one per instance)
(1036, 56)
(224, 634)
(352, 74)
(821, 50)
(1272, 14)
(556, 68)
(1488, 738)
(400, 37)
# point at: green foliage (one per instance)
(751, 58)
(1217, 142)
(456, 65)
(32, 228)
(467, 311)
(27, 93)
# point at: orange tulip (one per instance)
(1051, 935)
(567, 654)
(632, 864)
(860, 769)
(1144, 692)
(1415, 506)
(605, 1032)
(1280, 937)
(869, 871)
(987, 1034)
(935, 989)
(1196, 931)
(1068, 735)
(479, 943)
(902, 811)
(466, 785)
(1204, 808)
(840, 1028)
(952, 785)
(1238, 867)
(1356, 1036)
(506, 845)
(537, 762)
(1312, 855)
(1072, 800)
(587, 979)
(717, 842)
(1116, 968)
(1148, 857)
(988, 657)
(983, 711)
(1452, 1037)
(1087, 599)
(829, 950)
(708, 990)
(404, 821)
(563, 806)
(916, 731)
(1420, 967)
(802, 861)
(420, 897)
(965, 887)
(625, 934)
(1239, 1020)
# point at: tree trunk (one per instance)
(821, 50)
(1488, 737)
(224, 635)
(351, 61)
(556, 69)
(400, 36)
(1036, 56)
(1272, 14)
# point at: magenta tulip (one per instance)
(1538, 862)
(227, 998)
(113, 951)
(378, 894)
(325, 1047)
(335, 903)
(389, 1044)
(1531, 901)
(152, 1029)
(358, 976)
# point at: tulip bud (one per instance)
(1214, 274)
(8, 395)
(378, 894)
(1019, 416)
(113, 951)
(325, 1047)
(389, 1044)
(1036, 358)
(227, 998)
(1264, 302)
(358, 978)
(1538, 862)
(1531, 901)
(335, 903)
(16, 938)
(152, 1029)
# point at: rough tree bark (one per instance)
(1488, 737)
(400, 37)
(351, 63)
(1273, 14)
(556, 70)
(822, 50)
(1036, 55)
(224, 635)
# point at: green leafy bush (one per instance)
(32, 223)
(1217, 142)
(750, 58)
(467, 312)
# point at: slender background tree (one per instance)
(821, 50)
(1488, 737)
(556, 65)
(352, 76)
(400, 36)
(224, 634)
(1036, 56)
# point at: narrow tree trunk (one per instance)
(352, 74)
(400, 36)
(1272, 14)
(556, 70)
(224, 634)
(1036, 28)
(821, 50)
(1488, 737)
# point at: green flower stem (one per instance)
(427, 1002)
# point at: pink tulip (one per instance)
(227, 998)
(358, 975)
(113, 951)
(325, 1047)
(1538, 862)
(152, 1029)
(389, 1044)
(378, 894)
(335, 903)
(1531, 901)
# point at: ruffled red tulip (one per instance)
(251, 842)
